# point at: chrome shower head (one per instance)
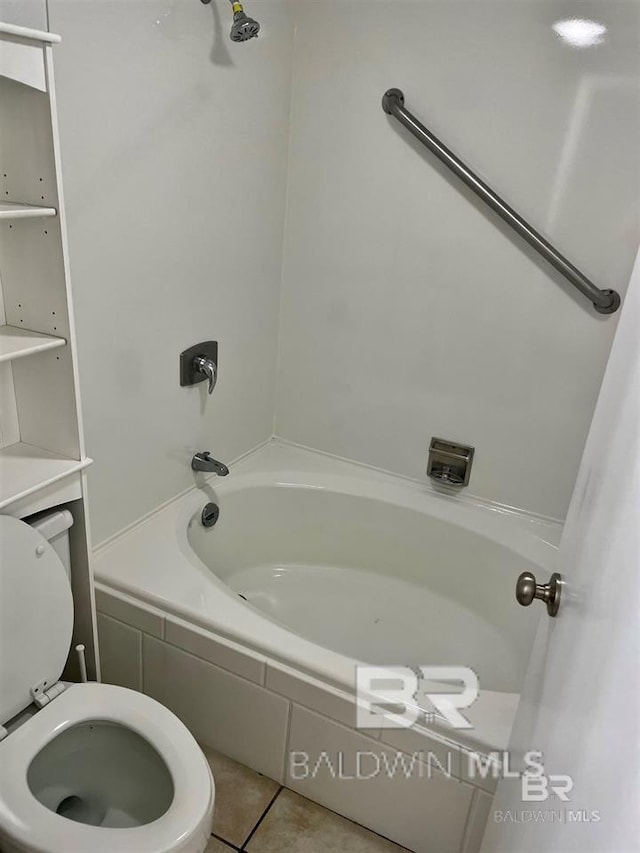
(243, 27)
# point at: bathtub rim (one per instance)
(268, 455)
(242, 625)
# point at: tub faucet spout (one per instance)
(204, 462)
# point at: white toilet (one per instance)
(98, 768)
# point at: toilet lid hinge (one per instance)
(43, 693)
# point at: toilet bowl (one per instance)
(103, 769)
(98, 768)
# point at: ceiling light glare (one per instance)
(580, 32)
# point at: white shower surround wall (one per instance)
(405, 310)
(410, 311)
(175, 148)
(255, 689)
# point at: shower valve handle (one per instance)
(527, 590)
(205, 365)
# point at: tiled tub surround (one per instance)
(257, 711)
(258, 692)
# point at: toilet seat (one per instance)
(36, 616)
(30, 826)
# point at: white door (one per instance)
(580, 706)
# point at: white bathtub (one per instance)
(340, 564)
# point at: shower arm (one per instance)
(604, 301)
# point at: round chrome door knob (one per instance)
(527, 589)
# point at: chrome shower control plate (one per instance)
(189, 372)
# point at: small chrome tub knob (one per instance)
(527, 589)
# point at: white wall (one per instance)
(24, 13)
(408, 311)
(174, 146)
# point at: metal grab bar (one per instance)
(604, 301)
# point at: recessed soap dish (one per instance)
(449, 462)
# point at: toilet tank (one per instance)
(54, 526)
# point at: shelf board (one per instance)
(28, 33)
(16, 342)
(25, 468)
(13, 210)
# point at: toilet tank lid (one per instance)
(36, 615)
(51, 523)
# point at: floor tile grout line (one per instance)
(225, 842)
(262, 817)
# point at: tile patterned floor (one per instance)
(256, 815)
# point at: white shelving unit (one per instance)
(42, 455)
(26, 469)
